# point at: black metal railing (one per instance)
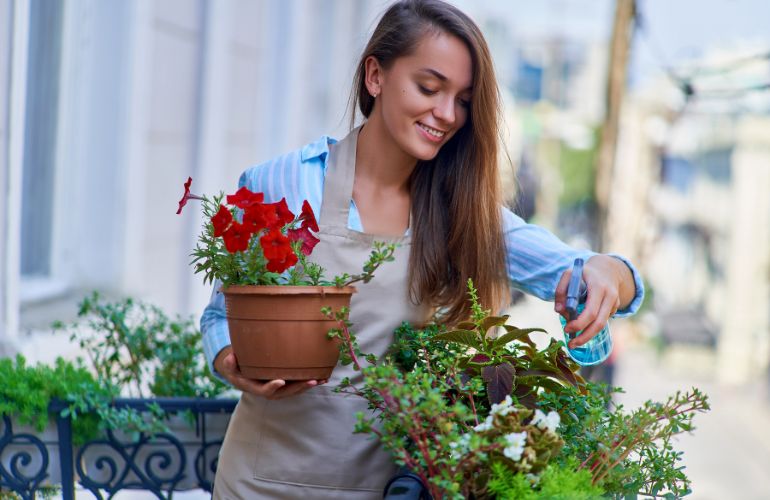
(160, 463)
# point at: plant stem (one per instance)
(349, 343)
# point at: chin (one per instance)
(421, 150)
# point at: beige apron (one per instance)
(303, 447)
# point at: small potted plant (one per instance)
(273, 293)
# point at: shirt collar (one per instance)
(317, 149)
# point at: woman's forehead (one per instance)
(444, 57)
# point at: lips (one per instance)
(431, 133)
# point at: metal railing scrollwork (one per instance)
(181, 459)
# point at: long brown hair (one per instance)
(457, 227)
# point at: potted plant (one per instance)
(472, 415)
(273, 293)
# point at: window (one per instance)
(42, 104)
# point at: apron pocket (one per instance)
(308, 440)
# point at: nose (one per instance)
(445, 110)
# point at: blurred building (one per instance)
(107, 106)
(690, 203)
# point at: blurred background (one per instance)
(637, 127)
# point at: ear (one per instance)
(374, 75)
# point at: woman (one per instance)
(421, 172)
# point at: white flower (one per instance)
(504, 407)
(486, 425)
(514, 442)
(543, 421)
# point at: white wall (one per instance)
(150, 93)
(6, 16)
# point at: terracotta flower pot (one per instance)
(279, 332)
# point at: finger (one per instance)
(294, 388)
(257, 388)
(231, 371)
(560, 297)
(593, 303)
(270, 389)
(602, 316)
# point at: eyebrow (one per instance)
(438, 75)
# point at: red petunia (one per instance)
(187, 196)
(304, 235)
(280, 265)
(236, 238)
(243, 198)
(258, 217)
(282, 212)
(308, 217)
(275, 246)
(221, 220)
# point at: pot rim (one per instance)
(287, 290)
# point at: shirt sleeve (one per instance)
(536, 260)
(214, 331)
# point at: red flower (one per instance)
(280, 265)
(258, 217)
(304, 235)
(284, 215)
(275, 246)
(221, 220)
(236, 238)
(187, 196)
(308, 217)
(243, 198)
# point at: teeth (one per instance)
(431, 131)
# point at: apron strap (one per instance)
(338, 181)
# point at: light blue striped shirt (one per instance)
(536, 258)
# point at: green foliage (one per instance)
(26, 391)
(628, 453)
(134, 349)
(134, 346)
(475, 415)
(556, 483)
(511, 362)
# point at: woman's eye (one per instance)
(465, 103)
(426, 90)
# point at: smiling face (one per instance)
(423, 99)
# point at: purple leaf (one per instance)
(499, 379)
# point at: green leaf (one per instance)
(465, 337)
(515, 334)
(492, 321)
(466, 325)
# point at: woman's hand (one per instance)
(226, 365)
(610, 286)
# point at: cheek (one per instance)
(412, 104)
(462, 115)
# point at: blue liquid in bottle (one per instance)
(593, 352)
(599, 347)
